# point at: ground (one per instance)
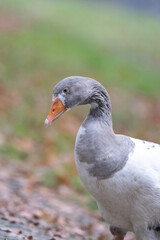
(32, 211)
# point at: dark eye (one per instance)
(65, 90)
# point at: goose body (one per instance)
(130, 198)
(122, 173)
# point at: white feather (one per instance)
(131, 197)
(62, 98)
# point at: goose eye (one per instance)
(65, 90)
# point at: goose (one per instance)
(122, 173)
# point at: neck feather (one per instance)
(100, 105)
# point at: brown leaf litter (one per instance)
(29, 210)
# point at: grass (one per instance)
(120, 48)
(8, 151)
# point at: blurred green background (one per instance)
(43, 41)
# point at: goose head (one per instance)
(75, 90)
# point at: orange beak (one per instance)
(57, 109)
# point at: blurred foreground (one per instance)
(30, 211)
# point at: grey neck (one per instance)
(104, 151)
(100, 106)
